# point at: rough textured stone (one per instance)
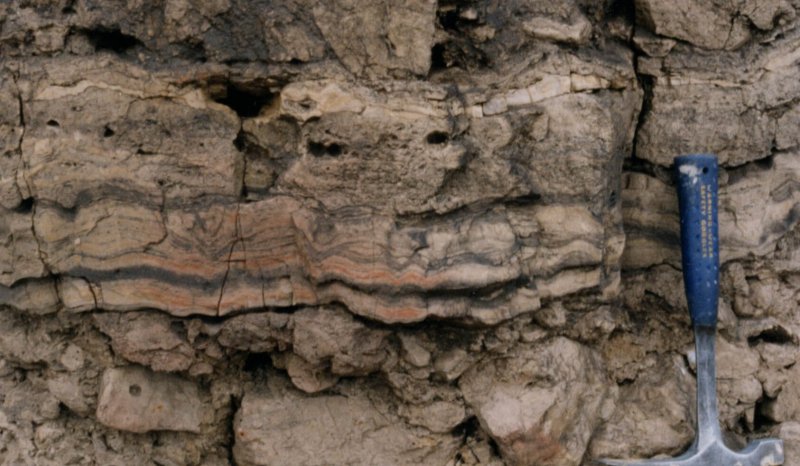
(712, 25)
(654, 415)
(790, 433)
(331, 335)
(540, 405)
(354, 427)
(785, 406)
(137, 400)
(148, 339)
(257, 333)
(379, 38)
(686, 93)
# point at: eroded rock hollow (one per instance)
(371, 232)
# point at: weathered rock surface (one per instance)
(356, 426)
(163, 216)
(370, 232)
(540, 405)
(148, 339)
(137, 400)
(790, 433)
(758, 205)
(654, 415)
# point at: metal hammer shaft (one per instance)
(697, 194)
(697, 198)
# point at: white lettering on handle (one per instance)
(691, 171)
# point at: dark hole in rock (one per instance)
(245, 101)
(318, 149)
(257, 361)
(612, 198)
(438, 61)
(495, 448)
(333, 150)
(53, 123)
(623, 9)
(468, 428)
(448, 19)
(760, 419)
(111, 39)
(240, 143)
(107, 132)
(525, 199)
(765, 163)
(135, 390)
(776, 334)
(69, 8)
(26, 206)
(457, 54)
(178, 328)
(625, 381)
(436, 137)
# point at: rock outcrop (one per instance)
(370, 232)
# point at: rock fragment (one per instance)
(19, 247)
(275, 425)
(413, 351)
(260, 332)
(786, 406)
(452, 363)
(706, 24)
(653, 415)
(331, 335)
(68, 390)
(377, 39)
(135, 399)
(790, 433)
(439, 417)
(541, 403)
(148, 339)
(32, 296)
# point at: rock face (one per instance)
(374, 232)
(541, 405)
(138, 400)
(353, 427)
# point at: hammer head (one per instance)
(764, 452)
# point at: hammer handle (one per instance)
(697, 198)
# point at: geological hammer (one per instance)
(697, 199)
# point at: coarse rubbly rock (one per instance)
(374, 232)
(541, 404)
(354, 426)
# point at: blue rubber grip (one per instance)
(697, 197)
